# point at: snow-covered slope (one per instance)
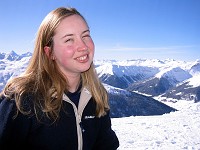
(174, 131)
(188, 89)
(161, 82)
(12, 65)
(124, 103)
(122, 76)
(153, 77)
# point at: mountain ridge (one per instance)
(136, 78)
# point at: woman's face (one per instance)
(73, 48)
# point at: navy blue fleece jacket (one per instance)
(77, 129)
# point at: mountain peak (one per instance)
(11, 56)
(13, 53)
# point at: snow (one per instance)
(194, 81)
(105, 69)
(174, 131)
(175, 73)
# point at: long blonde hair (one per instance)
(42, 78)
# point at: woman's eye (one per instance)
(86, 36)
(68, 40)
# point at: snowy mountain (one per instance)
(12, 65)
(132, 84)
(122, 75)
(145, 122)
(153, 77)
(124, 103)
(177, 130)
(161, 82)
(188, 90)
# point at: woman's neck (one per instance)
(74, 82)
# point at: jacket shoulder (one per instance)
(6, 107)
(6, 111)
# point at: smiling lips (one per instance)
(82, 58)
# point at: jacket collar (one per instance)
(84, 99)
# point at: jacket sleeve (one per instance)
(12, 131)
(107, 139)
(6, 107)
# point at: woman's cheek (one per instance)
(69, 52)
(62, 53)
(91, 44)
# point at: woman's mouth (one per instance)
(82, 58)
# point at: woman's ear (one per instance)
(47, 51)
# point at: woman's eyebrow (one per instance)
(73, 34)
(86, 31)
(67, 35)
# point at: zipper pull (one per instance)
(81, 125)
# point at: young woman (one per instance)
(58, 103)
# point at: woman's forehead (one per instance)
(71, 25)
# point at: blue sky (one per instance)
(121, 29)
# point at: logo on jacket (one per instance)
(89, 117)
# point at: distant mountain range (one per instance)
(168, 79)
(133, 85)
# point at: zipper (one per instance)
(84, 98)
(79, 130)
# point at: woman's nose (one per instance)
(82, 46)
